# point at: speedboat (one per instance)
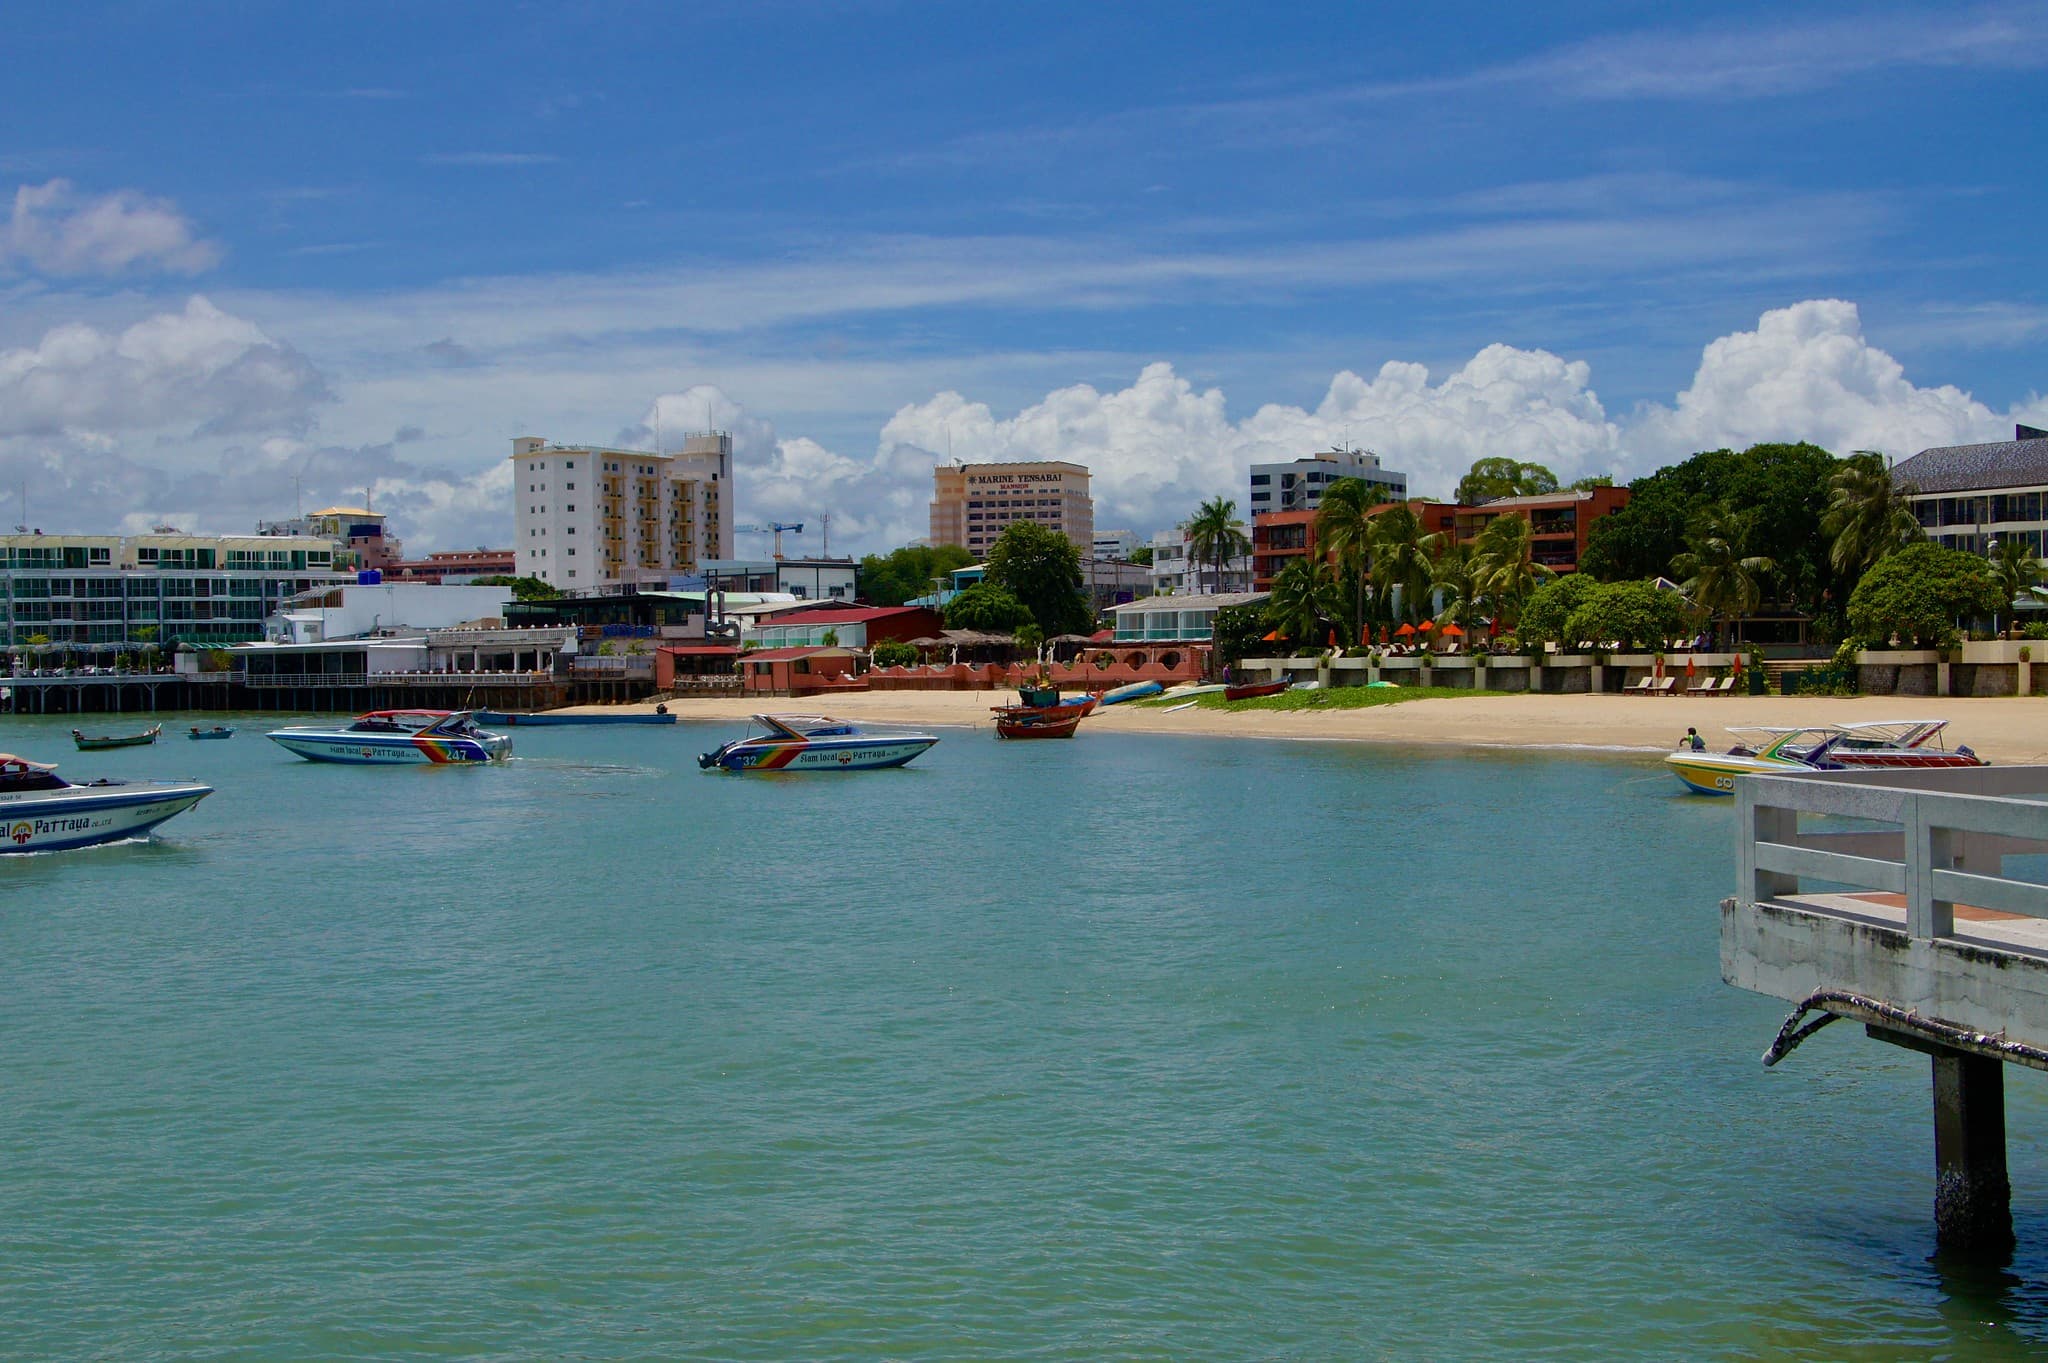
(1786, 750)
(384, 737)
(814, 743)
(1899, 743)
(42, 812)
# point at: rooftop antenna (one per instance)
(826, 552)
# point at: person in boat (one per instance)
(1693, 740)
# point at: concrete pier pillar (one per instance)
(1972, 1196)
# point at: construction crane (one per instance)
(774, 528)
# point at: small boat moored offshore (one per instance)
(385, 737)
(217, 731)
(814, 743)
(88, 743)
(42, 812)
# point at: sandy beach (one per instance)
(2006, 729)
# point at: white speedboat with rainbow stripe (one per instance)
(814, 743)
(387, 737)
(42, 812)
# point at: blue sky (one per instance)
(363, 246)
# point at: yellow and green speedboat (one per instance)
(1757, 749)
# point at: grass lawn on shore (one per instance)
(1336, 698)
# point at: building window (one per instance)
(572, 551)
(572, 508)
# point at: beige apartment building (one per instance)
(972, 503)
(586, 516)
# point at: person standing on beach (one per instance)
(1693, 740)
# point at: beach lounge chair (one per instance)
(1728, 685)
(1641, 688)
(1705, 686)
(1667, 687)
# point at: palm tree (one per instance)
(1344, 528)
(1402, 557)
(1719, 576)
(1505, 567)
(2014, 568)
(1215, 536)
(1869, 515)
(1455, 581)
(1306, 600)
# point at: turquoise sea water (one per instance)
(1119, 1048)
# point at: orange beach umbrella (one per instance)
(1451, 631)
(1405, 630)
(1425, 627)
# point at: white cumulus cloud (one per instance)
(198, 369)
(1808, 373)
(56, 230)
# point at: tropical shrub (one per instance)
(986, 607)
(892, 653)
(1631, 614)
(1920, 595)
(1549, 606)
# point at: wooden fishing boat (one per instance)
(1080, 707)
(87, 743)
(1252, 690)
(1024, 721)
(217, 731)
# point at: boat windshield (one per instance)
(20, 774)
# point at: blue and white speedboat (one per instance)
(814, 743)
(385, 738)
(42, 812)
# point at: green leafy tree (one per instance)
(1721, 577)
(523, 588)
(1630, 614)
(1491, 479)
(1921, 595)
(1216, 536)
(1344, 528)
(1785, 487)
(1041, 568)
(1240, 633)
(1549, 607)
(1141, 554)
(2014, 569)
(1030, 638)
(892, 653)
(1504, 567)
(1591, 481)
(988, 608)
(895, 577)
(1403, 555)
(1306, 602)
(1868, 515)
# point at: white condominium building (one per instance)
(1298, 485)
(586, 516)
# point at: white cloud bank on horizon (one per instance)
(203, 419)
(56, 230)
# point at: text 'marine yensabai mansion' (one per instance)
(1298, 485)
(973, 503)
(1967, 496)
(586, 516)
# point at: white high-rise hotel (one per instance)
(586, 516)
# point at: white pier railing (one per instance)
(1937, 838)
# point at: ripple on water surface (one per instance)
(1122, 1047)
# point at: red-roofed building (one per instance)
(800, 671)
(693, 660)
(849, 626)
